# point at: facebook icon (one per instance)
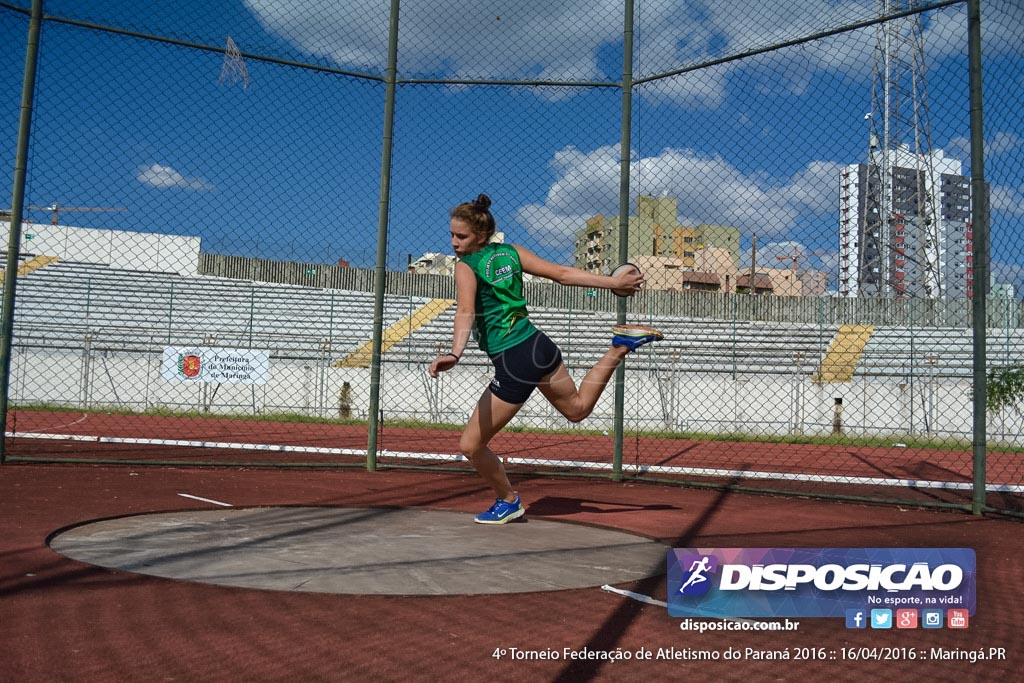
(855, 618)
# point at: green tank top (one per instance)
(501, 317)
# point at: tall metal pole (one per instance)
(28, 87)
(980, 225)
(380, 275)
(624, 159)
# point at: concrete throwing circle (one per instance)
(363, 551)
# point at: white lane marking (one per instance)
(85, 416)
(576, 464)
(635, 596)
(651, 601)
(205, 500)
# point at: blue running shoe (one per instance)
(634, 336)
(501, 512)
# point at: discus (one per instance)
(624, 268)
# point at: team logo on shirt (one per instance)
(500, 266)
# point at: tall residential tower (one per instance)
(892, 246)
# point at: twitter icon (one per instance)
(881, 618)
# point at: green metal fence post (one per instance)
(979, 221)
(380, 273)
(28, 87)
(624, 160)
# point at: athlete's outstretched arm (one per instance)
(465, 312)
(574, 277)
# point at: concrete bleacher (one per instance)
(694, 345)
(690, 345)
(740, 347)
(62, 303)
(940, 353)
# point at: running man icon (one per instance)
(698, 569)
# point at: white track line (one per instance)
(205, 500)
(85, 416)
(635, 596)
(640, 597)
(634, 469)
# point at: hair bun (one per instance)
(483, 202)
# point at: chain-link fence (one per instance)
(229, 235)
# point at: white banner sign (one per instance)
(228, 366)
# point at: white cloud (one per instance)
(165, 177)
(946, 30)
(708, 190)
(959, 148)
(548, 226)
(473, 39)
(705, 88)
(1008, 199)
(462, 38)
(686, 34)
(1001, 142)
(539, 39)
(815, 188)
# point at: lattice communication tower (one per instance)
(901, 245)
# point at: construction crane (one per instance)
(795, 257)
(56, 208)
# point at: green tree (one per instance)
(1004, 388)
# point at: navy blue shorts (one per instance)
(518, 370)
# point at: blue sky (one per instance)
(289, 167)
